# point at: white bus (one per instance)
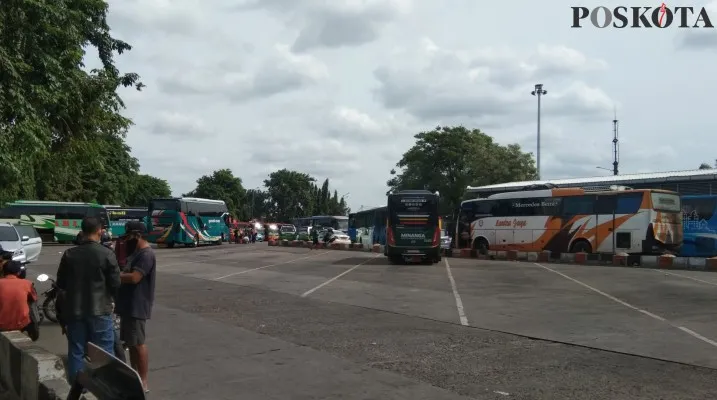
(603, 220)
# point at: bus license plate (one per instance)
(416, 259)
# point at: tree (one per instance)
(255, 205)
(48, 103)
(290, 194)
(707, 166)
(448, 159)
(221, 185)
(145, 188)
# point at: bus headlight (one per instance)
(272, 226)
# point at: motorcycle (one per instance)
(49, 305)
(49, 309)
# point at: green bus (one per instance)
(189, 221)
(119, 216)
(55, 221)
(413, 232)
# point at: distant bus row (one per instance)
(599, 220)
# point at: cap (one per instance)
(135, 227)
(13, 267)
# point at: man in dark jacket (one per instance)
(88, 277)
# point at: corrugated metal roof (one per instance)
(675, 176)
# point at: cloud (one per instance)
(490, 86)
(180, 126)
(279, 72)
(333, 24)
(700, 39)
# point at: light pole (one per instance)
(253, 194)
(539, 92)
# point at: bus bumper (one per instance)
(433, 253)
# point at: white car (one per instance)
(24, 247)
(341, 237)
(31, 242)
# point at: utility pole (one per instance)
(539, 92)
(615, 145)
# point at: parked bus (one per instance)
(119, 216)
(699, 222)
(413, 230)
(590, 220)
(368, 226)
(55, 221)
(324, 221)
(187, 220)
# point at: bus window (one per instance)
(579, 205)
(701, 208)
(628, 203)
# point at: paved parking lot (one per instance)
(259, 322)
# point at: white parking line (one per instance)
(459, 302)
(308, 292)
(686, 277)
(270, 265)
(628, 305)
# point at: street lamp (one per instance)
(539, 92)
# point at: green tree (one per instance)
(48, 103)
(145, 188)
(707, 166)
(256, 205)
(222, 185)
(448, 159)
(290, 194)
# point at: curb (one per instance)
(29, 371)
(617, 260)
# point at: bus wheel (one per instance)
(170, 245)
(481, 246)
(395, 260)
(581, 246)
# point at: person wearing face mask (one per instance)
(136, 296)
(88, 279)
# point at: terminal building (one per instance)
(692, 182)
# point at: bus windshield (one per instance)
(413, 210)
(169, 204)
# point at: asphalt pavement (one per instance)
(259, 322)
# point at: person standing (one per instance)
(16, 295)
(136, 297)
(315, 237)
(88, 278)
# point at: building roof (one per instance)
(655, 177)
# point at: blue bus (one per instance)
(188, 221)
(368, 226)
(699, 223)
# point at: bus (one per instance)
(55, 221)
(119, 216)
(324, 221)
(699, 222)
(189, 221)
(589, 220)
(413, 231)
(368, 226)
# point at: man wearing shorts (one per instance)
(136, 297)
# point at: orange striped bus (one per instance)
(600, 220)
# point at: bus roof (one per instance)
(367, 210)
(563, 192)
(124, 208)
(193, 200)
(413, 192)
(628, 179)
(57, 203)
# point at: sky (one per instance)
(338, 89)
